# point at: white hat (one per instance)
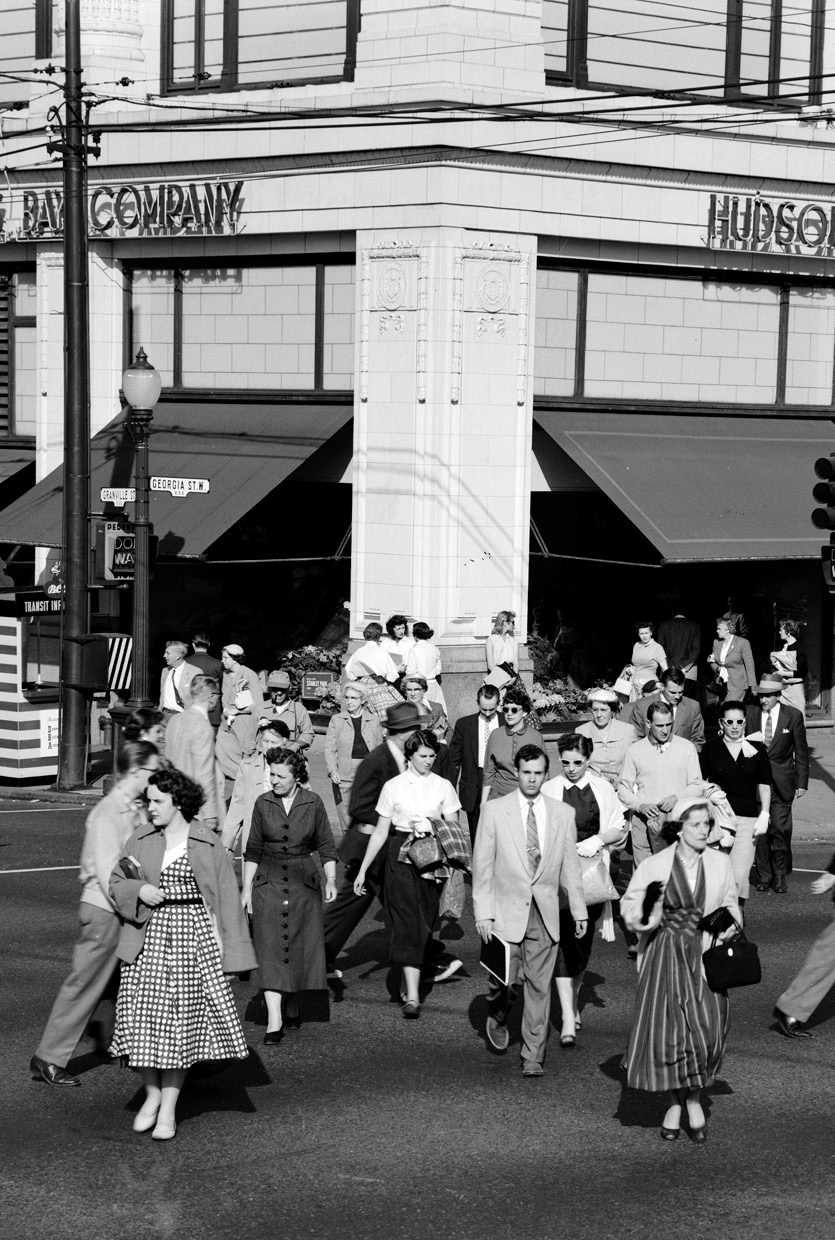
(603, 695)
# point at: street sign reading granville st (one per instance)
(171, 209)
(743, 222)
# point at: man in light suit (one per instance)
(190, 747)
(177, 675)
(783, 732)
(525, 852)
(687, 714)
(466, 752)
(682, 642)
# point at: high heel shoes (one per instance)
(699, 1135)
(670, 1134)
(273, 1037)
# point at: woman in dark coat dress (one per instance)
(281, 888)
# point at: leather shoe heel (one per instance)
(790, 1026)
(50, 1073)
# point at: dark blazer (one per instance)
(371, 774)
(682, 641)
(688, 721)
(212, 868)
(788, 752)
(463, 761)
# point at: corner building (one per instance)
(536, 298)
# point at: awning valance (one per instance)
(703, 488)
(244, 451)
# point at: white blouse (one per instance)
(370, 660)
(399, 650)
(410, 796)
(424, 660)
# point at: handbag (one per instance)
(244, 699)
(425, 852)
(731, 964)
(718, 689)
(498, 677)
(597, 884)
(623, 684)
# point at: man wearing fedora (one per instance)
(385, 762)
(783, 732)
(292, 714)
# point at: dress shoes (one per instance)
(273, 1037)
(762, 887)
(790, 1026)
(779, 887)
(699, 1135)
(670, 1134)
(292, 1022)
(51, 1073)
(568, 1041)
(531, 1068)
(497, 1035)
(411, 1011)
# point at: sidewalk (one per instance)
(814, 814)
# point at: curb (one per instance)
(80, 798)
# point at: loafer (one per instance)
(779, 887)
(497, 1035)
(531, 1068)
(273, 1037)
(51, 1073)
(790, 1026)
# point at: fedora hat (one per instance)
(770, 684)
(404, 717)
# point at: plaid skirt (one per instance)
(378, 698)
(175, 1007)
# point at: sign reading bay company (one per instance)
(737, 222)
(172, 209)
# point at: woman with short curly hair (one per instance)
(500, 776)
(282, 889)
(184, 928)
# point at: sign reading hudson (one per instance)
(171, 209)
(745, 223)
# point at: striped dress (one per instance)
(680, 1025)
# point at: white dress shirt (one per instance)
(410, 795)
(540, 814)
(492, 723)
(169, 699)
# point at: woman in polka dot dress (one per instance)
(184, 927)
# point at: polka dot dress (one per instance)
(175, 1007)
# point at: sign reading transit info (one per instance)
(740, 222)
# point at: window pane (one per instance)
(249, 327)
(796, 47)
(25, 295)
(152, 315)
(340, 309)
(656, 339)
(42, 646)
(213, 37)
(17, 49)
(754, 43)
(556, 331)
(25, 380)
(657, 44)
(280, 42)
(555, 35)
(182, 54)
(811, 344)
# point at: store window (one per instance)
(18, 353)
(556, 332)
(235, 44)
(657, 339)
(768, 48)
(41, 653)
(255, 327)
(809, 351)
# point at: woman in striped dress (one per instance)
(680, 1025)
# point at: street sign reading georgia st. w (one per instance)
(177, 487)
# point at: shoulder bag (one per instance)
(597, 884)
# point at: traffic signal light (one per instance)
(823, 492)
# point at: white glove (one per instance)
(590, 847)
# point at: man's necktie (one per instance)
(485, 729)
(534, 855)
(769, 730)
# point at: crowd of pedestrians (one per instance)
(220, 771)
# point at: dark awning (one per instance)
(244, 451)
(12, 460)
(703, 488)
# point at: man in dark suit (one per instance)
(348, 909)
(465, 763)
(687, 715)
(209, 666)
(783, 732)
(682, 642)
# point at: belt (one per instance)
(183, 900)
(286, 856)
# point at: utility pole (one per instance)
(73, 736)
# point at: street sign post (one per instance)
(178, 487)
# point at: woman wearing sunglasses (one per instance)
(500, 776)
(600, 824)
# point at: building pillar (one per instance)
(443, 437)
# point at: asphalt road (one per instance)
(365, 1125)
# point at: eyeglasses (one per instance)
(513, 710)
(573, 761)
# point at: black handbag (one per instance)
(425, 852)
(733, 963)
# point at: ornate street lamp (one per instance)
(141, 385)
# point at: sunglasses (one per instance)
(513, 710)
(573, 761)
